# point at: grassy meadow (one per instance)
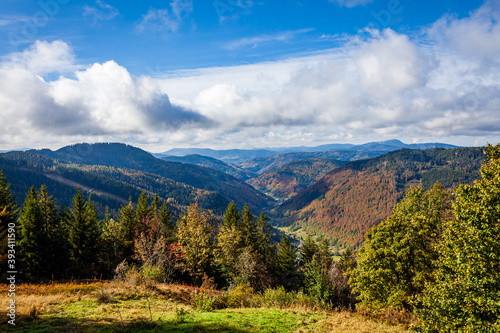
(123, 307)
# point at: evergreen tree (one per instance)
(8, 207)
(84, 233)
(57, 242)
(33, 239)
(128, 225)
(287, 264)
(167, 223)
(465, 294)
(232, 216)
(308, 250)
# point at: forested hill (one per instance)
(293, 177)
(109, 186)
(212, 163)
(124, 156)
(349, 200)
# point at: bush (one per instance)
(152, 274)
(104, 296)
(203, 302)
(241, 296)
(277, 298)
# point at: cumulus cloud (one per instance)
(385, 85)
(158, 20)
(101, 100)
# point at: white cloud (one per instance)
(257, 40)
(158, 20)
(102, 12)
(43, 58)
(384, 86)
(351, 3)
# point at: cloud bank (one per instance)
(442, 86)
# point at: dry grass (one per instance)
(75, 307)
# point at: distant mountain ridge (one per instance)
(236, 156)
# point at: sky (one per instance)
(248, 74)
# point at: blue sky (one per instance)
(242, 73)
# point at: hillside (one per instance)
(349, 200)
(263, 165)
(212, 163)
(124, 156)
(289, 179)
(109, 186)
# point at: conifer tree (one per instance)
(8, 207)
(84, 233)
(308, 250)
(287, 264)
(128, 225)
(33, 239)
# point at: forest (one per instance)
(434, 260)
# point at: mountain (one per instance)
(125, 156)
(348, 201)
(212, 163)
(109, 186)
(228, 156)
(265, 164)
(291, 178)
(238, 156)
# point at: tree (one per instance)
(84, 233)
(286, 262)
(316, 281)
(308, 250)
(8, 207)
(195, 237)
(342, 296)
(398, 256)
(465, 294)
(33, 239)
(128, 224)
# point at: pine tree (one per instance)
(286, 261)
(84, 233)
(232, 216)
(308, 250)
(167, 223)
(10, 212)
(33, 239)
(128, 225)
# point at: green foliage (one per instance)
(399, 254)
(240, 296)
(286, 264)
(465, 295)
(84, 234)
(9, 213)
(195, 237)
(317, 283)
(203, 302)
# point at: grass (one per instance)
(118, 307)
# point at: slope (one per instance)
(291, 178)
(349, 200)
(212, 163)
(109, 186)
(125, 156)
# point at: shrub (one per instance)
(104, 296)
(151, 274)
(277, 298)
(241, 296)
(203, 302)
